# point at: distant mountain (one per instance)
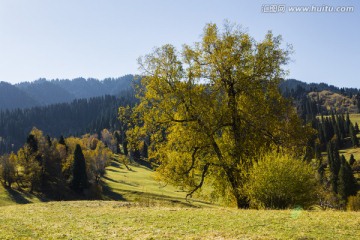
(13, 97)
(43, 92)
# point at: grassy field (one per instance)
(141, 208)
(11, 197)
(120, 220)
(138, 185)
(355, 118)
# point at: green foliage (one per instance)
(353, 203)
(47, 166)
(79, 178)
(213, 108)
(8, 169)
(281, 181)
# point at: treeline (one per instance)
(68, 119)
(59, 169)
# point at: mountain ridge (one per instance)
(43, 92)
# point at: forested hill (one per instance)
(313, 99)
(79, 117)
(44, 92)
(296, 85)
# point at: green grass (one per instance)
(119, 220)
(355, 118)
(148, 210)
(139, 185)
(120, 184)
(11, 197)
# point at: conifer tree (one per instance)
(347, 123)
(334, 165)
(353, 136)
(79, 181)
(352, 160)
(357, 128)
(62, 140)
(32, 143)
(346, 180)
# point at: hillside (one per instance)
(331, 100)
(43, 92)
(136, 184)
(12, 97)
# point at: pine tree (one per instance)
(32, 143)
(334, 165)
(79, 181)
(352, 160)
(62, 140)
(346, 182)
(347, 122)
(357, 128)
(48, 140)
(353, 136)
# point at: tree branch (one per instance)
(192, 160)
(203, 175)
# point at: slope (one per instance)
(136, 184)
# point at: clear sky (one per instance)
(103, 38)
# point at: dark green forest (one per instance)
(79, 117)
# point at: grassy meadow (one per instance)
(121, 220)
(138, 207)
(138, 184)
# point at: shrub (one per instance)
(281, 181)
(354, 203)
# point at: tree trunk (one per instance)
(235, 182)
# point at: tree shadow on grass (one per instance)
(115, 164)
(109, 194)
(16, 196)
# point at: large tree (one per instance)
(213, 108)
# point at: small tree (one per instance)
(79, 181)
(8, 169)
(281, 181)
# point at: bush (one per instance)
(280, 181)
(354, 203)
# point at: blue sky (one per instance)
(103, 38)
